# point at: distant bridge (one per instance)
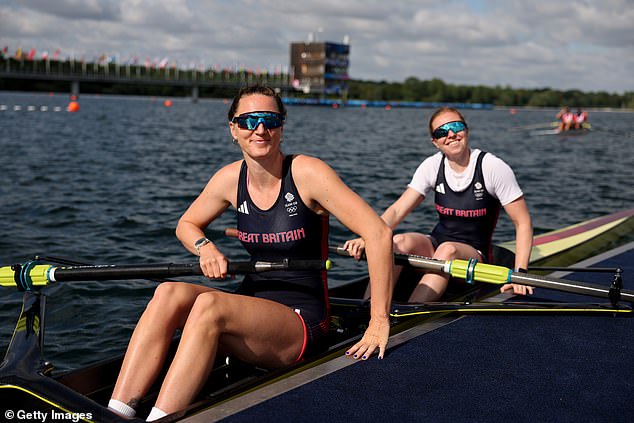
(75, 73)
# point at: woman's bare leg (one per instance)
(148, 347)
(433, 285)
(421, 245)
(258, 331)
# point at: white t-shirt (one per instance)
(498, 176)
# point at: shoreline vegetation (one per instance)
(436, 90)
(221, 83)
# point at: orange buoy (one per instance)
(513, 111)
(73, 106)
(168, 103)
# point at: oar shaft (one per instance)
(420, 262)
(31, 274)
(564, 285)
(489, 273)
(172, 270)
(120, 272)
(429, 264)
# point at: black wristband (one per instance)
(199, 243)
(521, 270)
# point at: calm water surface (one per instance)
(108, 184)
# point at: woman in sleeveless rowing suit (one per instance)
(470, 188)
(282, 205)
(566, 119)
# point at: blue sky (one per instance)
(585, 45)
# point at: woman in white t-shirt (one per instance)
(470, 188)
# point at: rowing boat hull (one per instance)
(572, 244)
(27, 382)
(554, 130)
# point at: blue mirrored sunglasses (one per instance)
(250, 121)
(443, 130)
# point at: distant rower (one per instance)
(566, 118)
(580, 118)
(569, 120)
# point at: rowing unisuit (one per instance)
(487, 178)
(467, 216)
(289, 229)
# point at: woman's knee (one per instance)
(446, 251)
(412, 243)
(403, 243)
(173, 297)
(169, 293)
(210, 309)
(162, 295)
(453, 250)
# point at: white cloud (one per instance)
(75, 9)
(584, 44)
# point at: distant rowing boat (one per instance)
(554, 130)
(571, 132)
(29, 382)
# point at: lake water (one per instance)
(108, 184)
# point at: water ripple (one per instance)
(108, 184)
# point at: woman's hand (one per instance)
(376, 336)
(517, 289)
(355, 247)
(212, 262)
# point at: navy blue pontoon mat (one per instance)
(537, 368)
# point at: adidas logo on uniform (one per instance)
(243, 208)
(440, 188)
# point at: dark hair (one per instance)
(255, 89)
(443, 110)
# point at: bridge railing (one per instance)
(81, 70)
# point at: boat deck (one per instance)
(493, 367)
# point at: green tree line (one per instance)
(436, 90)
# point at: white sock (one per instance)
(155, 414)
(121, 408)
